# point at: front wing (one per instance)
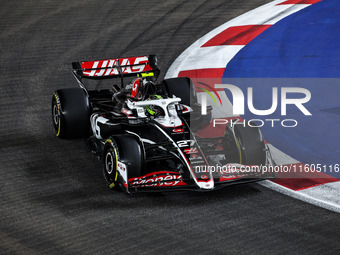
(174, 181)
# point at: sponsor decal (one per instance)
(195, 156)
(110, 66)
(121, 166)
(177, 130)
(122, 169)
(195, 162)
(204, 177)
(160, 180)
(191, 150)
(126, 111)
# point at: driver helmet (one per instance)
(154, 110)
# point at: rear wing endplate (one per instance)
(117, 67)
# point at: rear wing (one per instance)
(117, 67)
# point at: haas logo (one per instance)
(191, 150)
(109, 66)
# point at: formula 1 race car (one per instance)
(145, 132)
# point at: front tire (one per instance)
(251, 146)
(124, 148)
(245, 145)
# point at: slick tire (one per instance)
(250, 145)
(125, 148)
(110, 163)
(71, 113)
(131, 151)
(183, 88)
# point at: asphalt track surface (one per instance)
(53, 196)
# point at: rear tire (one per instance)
(183, 88)
(71, 113)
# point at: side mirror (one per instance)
(179, 109)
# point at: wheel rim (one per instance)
(109, 163)
(55, 115)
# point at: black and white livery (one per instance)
(146, 133)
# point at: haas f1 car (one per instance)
(146, 133)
